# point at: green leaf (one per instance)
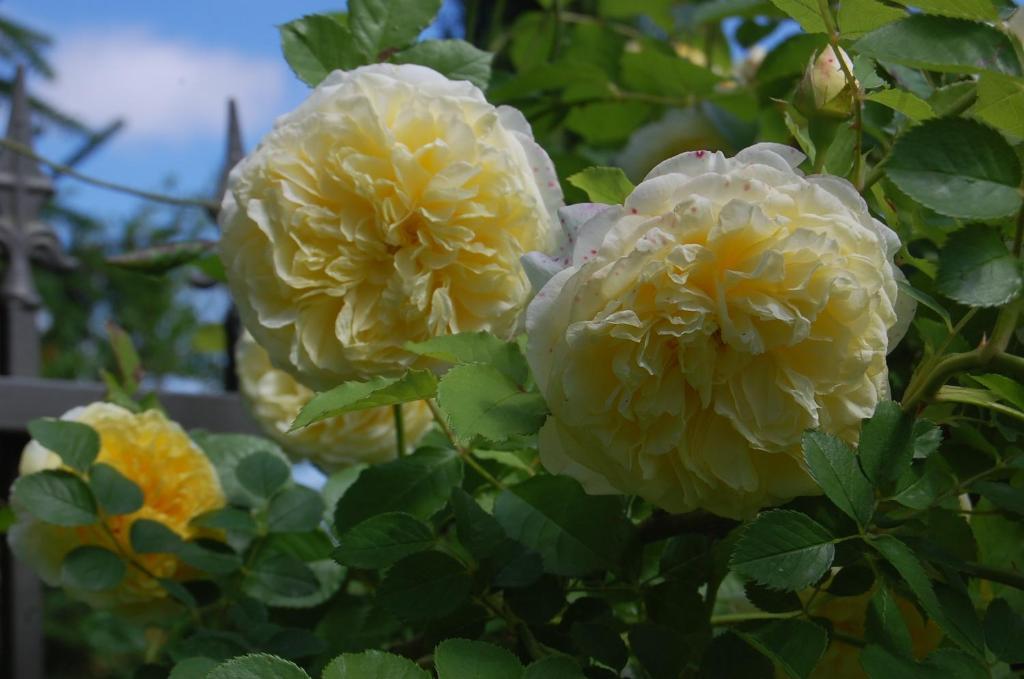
(982, 10)
(56, 497)
(454, 59)
(128, 363)
(115, 492)
(373, 665)
(657, 73)
(886, 443)
(884, 624)
(279, 574)
(805, 12)
(1005, 388)
(419, 484)
(879, 663)
(414, 385)
(1004, 632)
(1002, 495)
(662, 651)
(574, 533)
(77, 443)
(380, 25)
(424, 586)
(152, 537)
(92, 569)
(910, 569)
(603, 184)
(479, 401)
(382, 540)
(835, 468)
(607, 122)
(317, 44)
(192, 668)
(211, 556)
(329, 576)
(941, 44)
(957, 167)
(159, 259)
(478, 531)
(295, 509)
(226, 452)
(783, 549)
(729, 656)
(257, 666)
(464, 659)
(976, 269)
(1001, 103)
(796, 645)
(907, 103)
(227, 518)
(262, 473)
(928, 301)
(475, 347)
(554, 667)
(857, 17)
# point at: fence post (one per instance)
(26, 239)
(233, 153)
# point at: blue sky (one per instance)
(167, 69)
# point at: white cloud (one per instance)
(164, 89)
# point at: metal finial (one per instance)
(233, 153)
(24, 190)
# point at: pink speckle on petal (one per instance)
(746, 187)
(633, 210)
(700, 154)
(551, 185)
(593, 252)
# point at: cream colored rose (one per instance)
(697, 331)
(178, 483)
(393, 205)
(275, 399)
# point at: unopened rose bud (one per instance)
(824, 89)
(1015, 24)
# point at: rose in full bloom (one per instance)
(178, 483)
(275, 399)
(392, 206)
(698, 330)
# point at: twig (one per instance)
(463, 452)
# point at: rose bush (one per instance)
(704, 449)
(392, 206)
(700, 328)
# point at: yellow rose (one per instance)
(677, 131)
(178, 483)
(701, 328)
(392, 206)
(275, 399)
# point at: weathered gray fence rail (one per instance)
(25, 240)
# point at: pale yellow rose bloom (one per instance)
(275, 399)
(178, 483)
(392, 206)
(697, 331)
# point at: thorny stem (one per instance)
(736, 618)
(464, 453)
(60, 168)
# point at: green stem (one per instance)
(399, 429)
(993, 574)
(851, 82)
(60, 168)
(736, 618)
(950, 395)
(464, 453)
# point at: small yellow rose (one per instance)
(825, 88)
(275, 399)
(178, 483)
(392, 206)
(697, 331)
